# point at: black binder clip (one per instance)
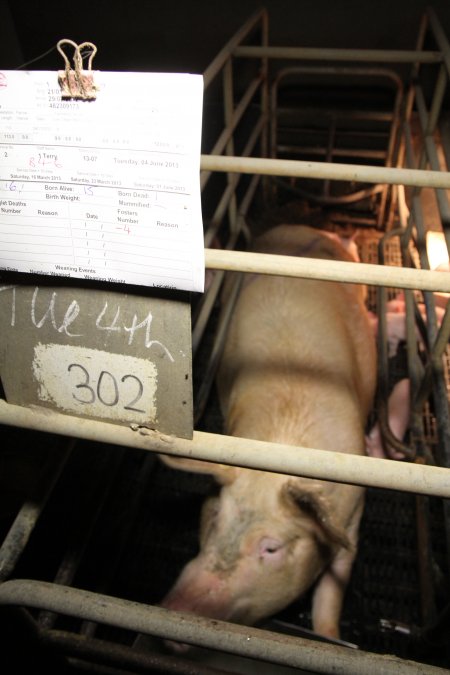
(77, 83)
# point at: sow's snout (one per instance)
(199, 591)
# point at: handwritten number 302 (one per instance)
(90, 395)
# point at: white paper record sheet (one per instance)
(106, 189)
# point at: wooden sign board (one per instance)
(115, 357)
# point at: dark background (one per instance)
(178, 35)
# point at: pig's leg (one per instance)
(329, 593)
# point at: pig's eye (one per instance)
(269, 547)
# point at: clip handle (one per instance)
(77, 83)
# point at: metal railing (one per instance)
(232, 208)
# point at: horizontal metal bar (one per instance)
(335, 152)
(350, 172)
(255, 643)
(119, 659)
(327, 270)
(275, 457)
(336, 54)
(313, 113)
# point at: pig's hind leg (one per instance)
(328, 596)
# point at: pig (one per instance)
(299, 368)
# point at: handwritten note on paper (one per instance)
(107, 189)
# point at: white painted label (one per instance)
(96, 383)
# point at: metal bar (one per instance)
(217, 64)
(349, 172)
(427, 120)
(445, 139)
(409, 102)
(221, 333)
(265, 97)
(245, 641)
(340, 71)
(231, 187)
(336, 152)
(327, 270)
(274, 457)
(383, 361)
(228, 95)
(343, 132)
(337, 54)
(433, 375)
(425, 562)
(227, 133)
(122, 531)
(208, 302)
(391, 149)
(95, 497)
(436, 104)
(210, 297)
(415, 366)
(309, 113)
(93, 650)
(440, 37)
(25, 521)
(432, 156)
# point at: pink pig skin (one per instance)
(298, 368)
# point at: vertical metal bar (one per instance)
(394, 130)
(140, 486)
(429, 123)
(265, 104)
(432, 157)
(434, 376)
(96, 497)
(219, 341)
(383, 361)
(329, 152)
(228, 97)
(227, 132)
(217, 64)
(440, 37)
(427, 595)
(409, 102)
(25, 521)
(219, 213)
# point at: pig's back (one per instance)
(299, 362)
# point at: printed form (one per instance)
(106, 189)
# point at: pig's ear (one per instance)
(221, 472)
(316, 507)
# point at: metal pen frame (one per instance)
(232, 209)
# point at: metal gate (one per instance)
(402, 147)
